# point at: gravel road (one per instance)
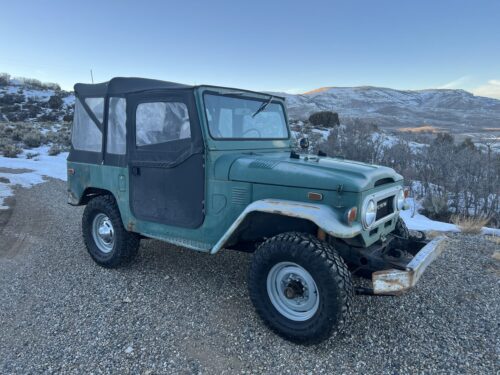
(178, 311)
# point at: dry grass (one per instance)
(469, 225)
(494, 239)
(421, 130)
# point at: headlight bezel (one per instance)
(399, 200)
(368, 221)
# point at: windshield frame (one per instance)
(247, 95)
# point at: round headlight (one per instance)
(400, 200)
(370, 213)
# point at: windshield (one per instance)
(236, 117)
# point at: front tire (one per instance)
(106, 239)
(401, 229)
(301, 287)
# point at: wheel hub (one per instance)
(292, 291)
(103, 233)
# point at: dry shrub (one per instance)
(11, 151)
(54, 150)
(436, 207)
(469, 224)
(32, 139)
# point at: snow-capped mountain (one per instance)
(455, 110)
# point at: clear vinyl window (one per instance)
(159, 122)
(117, 131)
(96, 105)
(85, 134)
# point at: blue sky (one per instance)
(291, 46)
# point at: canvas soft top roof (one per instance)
(124, 85)
(120, 86)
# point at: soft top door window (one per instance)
(116, 141)
(160, 122)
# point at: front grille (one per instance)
(385, 207)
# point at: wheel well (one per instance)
(93, 192)
(258, 226)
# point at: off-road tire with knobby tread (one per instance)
(401, 229)
(126, 244)
(330, 273)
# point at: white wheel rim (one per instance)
(103, 233)
(292, 291)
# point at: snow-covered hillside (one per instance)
(21, 101)
(455, 110)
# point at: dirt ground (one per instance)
(179, 311)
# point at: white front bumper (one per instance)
(393, 282)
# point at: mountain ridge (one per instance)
(454, 110)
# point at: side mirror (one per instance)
(304, 143)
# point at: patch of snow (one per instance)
(419, 222)
(69, 100)
(324, 133)
(36, 168)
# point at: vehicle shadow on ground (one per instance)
(227, 272)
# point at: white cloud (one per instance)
(491, 89)
(455, 84)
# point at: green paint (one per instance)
(238, 173)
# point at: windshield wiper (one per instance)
(263, 106)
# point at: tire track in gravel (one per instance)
(20, 227)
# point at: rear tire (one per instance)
(301, 287)
(106, 239)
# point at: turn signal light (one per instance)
(407, 192)
(351, 215)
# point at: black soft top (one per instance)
(120, 86)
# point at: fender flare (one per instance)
(321, 215)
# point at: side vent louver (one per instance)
(239, 196)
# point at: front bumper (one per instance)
(394, 282)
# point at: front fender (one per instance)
(321, 215)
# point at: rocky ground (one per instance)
(178, 311)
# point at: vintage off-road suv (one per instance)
(209, 168)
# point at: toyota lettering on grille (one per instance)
(381, 205)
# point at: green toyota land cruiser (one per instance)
(212, 168)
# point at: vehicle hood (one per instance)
(311, 172)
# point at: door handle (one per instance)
(136, 171)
